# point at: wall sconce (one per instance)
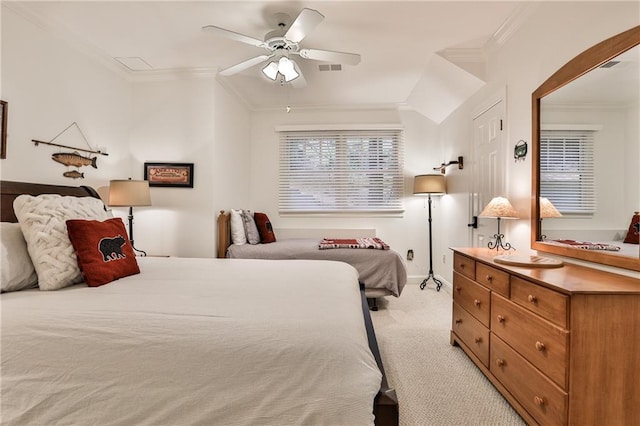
(500, 208)
(443, 166)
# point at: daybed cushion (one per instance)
(17, 270)
(250, 228)
(633, 234)
(264, 228)
(238, 235)
(43, 222)
(103, 249)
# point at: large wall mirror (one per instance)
(586, 156)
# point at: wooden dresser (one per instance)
(562, 345)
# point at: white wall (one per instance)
(48, 85)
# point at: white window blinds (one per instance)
(341, 171)
(567, 170)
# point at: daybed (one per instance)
(192, 341)
(382, 272)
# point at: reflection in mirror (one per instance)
(586, 153)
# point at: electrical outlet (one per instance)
(410, 254)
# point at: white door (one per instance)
(488, 170)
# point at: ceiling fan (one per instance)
(282, 43)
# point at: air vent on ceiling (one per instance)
(609, 64)
(330, 67)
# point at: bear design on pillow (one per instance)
(111, 248)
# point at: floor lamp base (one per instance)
(438, 283)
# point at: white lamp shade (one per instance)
(271, 70)
(429, 184)
(129, 193)
(499, 207)
(547, 209)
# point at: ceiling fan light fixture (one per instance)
(271, 70)
(287, 69)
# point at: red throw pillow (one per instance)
(264, 228)
(633, 234)
(103, 249)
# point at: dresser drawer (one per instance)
(543, 301)
(493, 278)
(472, 297)
(465, 266)
(545, 401)
(539, 341)
(472, 333)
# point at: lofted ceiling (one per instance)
(396, 41)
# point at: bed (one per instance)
(382, 272)
(193, 341)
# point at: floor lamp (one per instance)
(130, 193)
(429, 184)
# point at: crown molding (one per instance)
(510, 26)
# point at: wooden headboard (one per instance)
(9, 191)
(224, 233)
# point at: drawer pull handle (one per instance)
(500, 318)
(531, 298)
(458, 321)
(462, 265)
(540, 346)
(489, 278)
(458, 289)
(499, 362)
(478, 339)
(540, 401)
(476, 302)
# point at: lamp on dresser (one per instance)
(130, 193)
(547, 211)
(436, 185)
(500, 208)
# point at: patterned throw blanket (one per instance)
(358, 243)
(586, 245)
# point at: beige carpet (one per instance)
(436, 383)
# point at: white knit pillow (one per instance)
(43, 222)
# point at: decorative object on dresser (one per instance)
(130, 193)
(436, 185)
(500, 208)
(560, 344)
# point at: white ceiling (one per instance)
(396, 40)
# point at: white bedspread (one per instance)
(192, 341)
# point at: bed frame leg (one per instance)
(373, 303)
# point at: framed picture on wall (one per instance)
(176, 175)
(3, 129)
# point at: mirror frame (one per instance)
(581, 64)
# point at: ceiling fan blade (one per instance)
(244, 65)
(233, 35)
(306, 21)
(330, 56)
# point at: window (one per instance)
(567, 170)
(341, 171)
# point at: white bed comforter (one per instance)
(192, 341)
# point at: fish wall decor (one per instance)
(73, 174)
(74, 159)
